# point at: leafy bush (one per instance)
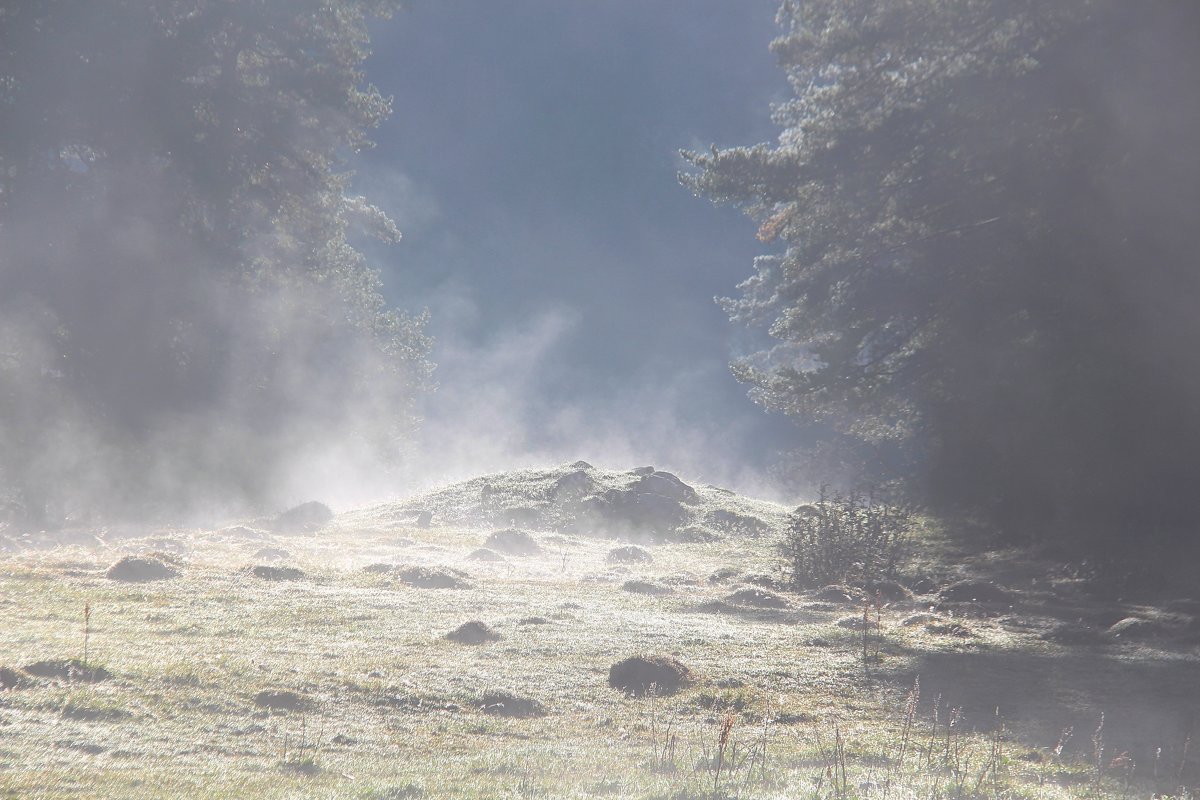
(844, 539)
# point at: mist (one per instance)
(185, 326)
(168, 358)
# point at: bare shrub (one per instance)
(848, 538)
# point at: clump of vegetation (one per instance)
(844, 539)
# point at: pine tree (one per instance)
(985, 267)
(182, 310)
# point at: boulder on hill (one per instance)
(666, 485)
(572, 486)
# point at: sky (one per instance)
(531, 162)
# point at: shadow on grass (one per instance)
(1147, 702)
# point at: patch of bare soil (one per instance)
(637, 674)
(281, 700)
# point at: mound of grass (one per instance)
(430, 578)
(272, 573)
(71, 669)
(139, 569)
(503, 703)
(758, 598)
(473, 632)
(646, 587)
(9, 679)
(636, 675)
(629, 554)
(281, 700)
(513, 542)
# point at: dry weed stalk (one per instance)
(722, 745)
(87, 629)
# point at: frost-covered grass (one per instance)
(392, 709)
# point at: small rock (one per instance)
(636, 675)
(424, 519)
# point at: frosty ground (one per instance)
(300, 656)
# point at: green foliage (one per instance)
(179, 293)
(844, 539)
(985, 277)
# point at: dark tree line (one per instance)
(984, 279)
(182, 312)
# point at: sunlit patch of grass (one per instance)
(392, 708)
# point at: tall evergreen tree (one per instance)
(987, 267)
(182, 311)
